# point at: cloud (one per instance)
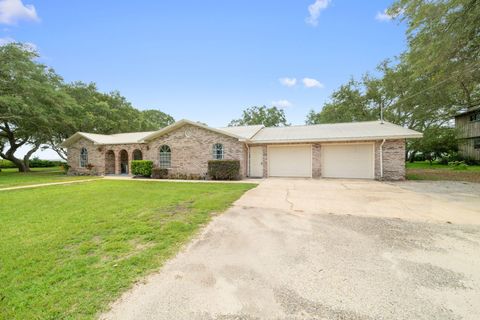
(12, 11)
(6, 40)
(312, 83)
(314, 10)
(282, 103)
(383, 16)
(288, 82)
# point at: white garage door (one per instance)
(290, 161)
(348, 161)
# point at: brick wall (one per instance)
(191, 152)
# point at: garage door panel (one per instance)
(290, 161)
(348, 161)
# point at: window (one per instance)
(218, 151)
(476, 143)
(475, 116)
(165, 157)
(83, 158)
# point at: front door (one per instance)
(256, 162)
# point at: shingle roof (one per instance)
(370, 130)
(335, 132)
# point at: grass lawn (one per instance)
(425, 171)
(67, 251)
(12, 178)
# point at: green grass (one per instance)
(426, 165)
(67, 251)
(13, 178)
(435, 171)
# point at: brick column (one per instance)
(265, 162)
(118, 162)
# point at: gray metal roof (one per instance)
(370, 130)
(334, 132)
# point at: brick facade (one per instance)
(191, 148)
(189, 152)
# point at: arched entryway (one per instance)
(123, 162)
(109, 162)
(137, 155)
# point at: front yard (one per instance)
(68, 251)
(13, 178)
(425, 171)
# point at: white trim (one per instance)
(346, 139)
(294, 146)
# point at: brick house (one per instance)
(368, 150)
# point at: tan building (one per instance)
(468, 126)
(367, 150)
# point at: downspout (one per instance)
(381, 159)
(248, 160)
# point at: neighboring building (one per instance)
(468, 126)
(369, 150)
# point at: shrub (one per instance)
(7, 164)
(39, 163)
(458, 165)
(65, 167)
(224, 169)
(159, 173)
(142, 168)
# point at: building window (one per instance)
(165, 157)
(83, 158)
(475, 116)
(476, 143)
(218, 151)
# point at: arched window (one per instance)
(165, 157)
(217, 151)
(83, 158)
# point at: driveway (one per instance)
(326, 249)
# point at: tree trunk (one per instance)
(26, 158)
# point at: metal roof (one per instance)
(370, 130)
(469, 110)
(334, 132)
(245, 132)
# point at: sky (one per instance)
(208, 60)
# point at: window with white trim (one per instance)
(217, 151)
(83, 158)
(165, 157)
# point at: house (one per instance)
(369, 150)
(468, 127)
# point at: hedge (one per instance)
(142, 168)
(159, 173)
(33, 163)
(224, 169)
(7, 164)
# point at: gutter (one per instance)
(381, 159)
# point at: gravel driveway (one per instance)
(326, 249)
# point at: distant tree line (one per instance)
(39, 110)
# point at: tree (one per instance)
(155, 119)
(436, 142)
(32, 102)
(443, 38)
(347, 104)
(269, 117)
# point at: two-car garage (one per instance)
(346, 160)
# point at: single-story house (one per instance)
(369, 150)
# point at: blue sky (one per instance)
(208, 60)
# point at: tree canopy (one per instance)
(422, 89)
(269, 117)
(38, 109)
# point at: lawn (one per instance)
(67, 251)
(12, 178)
(425, 171)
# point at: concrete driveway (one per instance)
(326, 249)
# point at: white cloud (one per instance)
(6, 40)
(282, 103)
(12, 11)
(383, 16)
(314, 10)
(288, 82)
(312, 83)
